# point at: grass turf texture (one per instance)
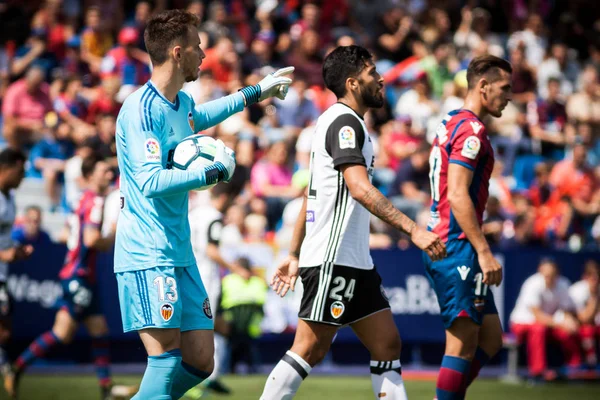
(60, 387)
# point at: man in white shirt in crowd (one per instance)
(544, 311)
(585, 295)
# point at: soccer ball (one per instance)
(193, 152)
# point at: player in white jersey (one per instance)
(12, 170)
(206, 227)
(330, 245)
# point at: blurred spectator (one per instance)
(493, 223)
(547, 119)
(104, 142)
(393, 34)
(141, 15)
(272, 180)
(47, 160)
(96, 40)
(559, 66)
(576, 180)
(417, 104)
(126, 61)
(73, 63)
(71, 106)
(25, 105)
(584, 105)
(35, 53)
(532, 39)
(106, 100)
(410, 191)
(544, 311)
(585, 295)
(242, 301)
(306, 58)
(523, 77)
(474, 29)
(29, 231)
(221, 60)
(297, 111)
(74, 183)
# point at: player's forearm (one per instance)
(299, 231)
(168, 182)
(216, 111)
(377, 204)
(464, 212)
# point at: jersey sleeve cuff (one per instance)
(338, 162)
(464, 164)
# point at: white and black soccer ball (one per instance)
(193, 152)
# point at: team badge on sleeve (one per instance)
(206, 308)
(152, 150)
(337, 309)
(166, 311)
(347, 138)
(191, 121)
(471, 147)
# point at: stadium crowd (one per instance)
(66, 66)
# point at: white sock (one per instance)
(286, 377)
(220, 348)
(386, 379)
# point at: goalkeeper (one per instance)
(160, 290)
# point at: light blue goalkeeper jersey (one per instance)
(153, 228)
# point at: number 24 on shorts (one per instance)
(339, 283)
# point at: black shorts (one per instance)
(338, 295)
(79, 298)
(5, 301)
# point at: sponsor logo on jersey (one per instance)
(476, 126)
(152, 150)
(471, 147)
(206, 308)
(337, 309)
(463, 270)
(166, 311)
(171, 132)
(347, 138)
(310, 216)
(434, 219)
(191, 121)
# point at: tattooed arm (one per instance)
(373, 200)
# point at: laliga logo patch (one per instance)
(191, 121)
(471, 147)
(337, 309)
(152, 150)
(206, 308)
(166, 311)
(347, 138)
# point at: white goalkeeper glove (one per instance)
(224, 161)
(272, 85)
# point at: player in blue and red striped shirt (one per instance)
(79, 303)
(461, 163)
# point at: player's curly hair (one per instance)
(165, 29)
(488, 66)
(342, 63)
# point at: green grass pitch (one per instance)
(60, 387)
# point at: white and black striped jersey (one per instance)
(337, 226)
(206, 225)
(8, 213)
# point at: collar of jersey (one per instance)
(469, 111)
(346, 105)
(174, 106)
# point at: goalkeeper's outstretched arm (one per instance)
(216, 111)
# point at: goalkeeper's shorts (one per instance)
(164, 297)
